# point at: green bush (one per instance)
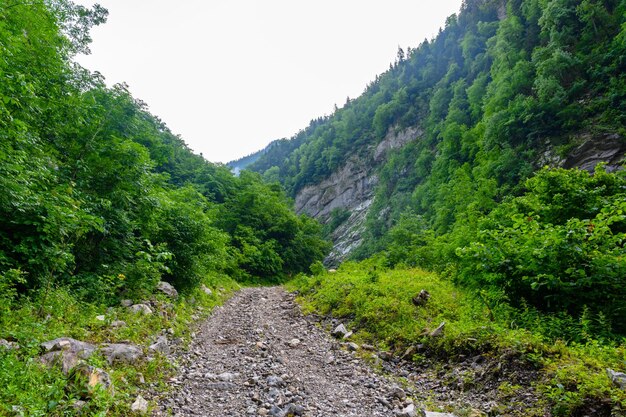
(559, 247)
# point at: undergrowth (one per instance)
(31, 389)
(377, 302)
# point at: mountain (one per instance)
(457, 124)
(242, 163)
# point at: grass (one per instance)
(377, 303)
(30, 389)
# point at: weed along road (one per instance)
(257, 355)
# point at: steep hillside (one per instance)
(100, 202)
(242, 163)
(458, 123)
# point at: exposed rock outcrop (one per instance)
(608, 148)
(351, 188)
(66, 352)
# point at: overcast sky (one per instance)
(230, 76)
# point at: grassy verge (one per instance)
(29, 388)
(571, 379)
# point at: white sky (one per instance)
(230, 76)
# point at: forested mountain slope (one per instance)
(458, 123)
(99, 202)
(90, 179)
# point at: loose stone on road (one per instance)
(258, 356)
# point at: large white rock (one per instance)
(140, 405)
(122, 352)
(167, 289)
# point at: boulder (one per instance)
(122, 352)
(397, 392)
(409, 411)
(94, 377)
(438, 331)
(140, 405)
(66, 352)
(141, 309)
(67, 343)
(6, 345)
(275, 381)
(340, 331)
(160, 345)
(409, 352)
(206, 290)
(126, 303)
(118, 323)
(167, 289)
(351, 346)
(421, 298)
(617, 378)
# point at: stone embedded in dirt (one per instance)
(293, 410)
(118, 323)
(221, 386)
(94, 376)
(66, 359)
(348, 335)
(5, 344)
(167, 289)
(160, 345)
(421, 299)
(438, 331)
(141, 309)
(409, 352)
(84, 349)
(275, 381)
(276, 411)
(226, 377)
(78, 406)
(66, 352)
(617, 378)
(397, 392)
(126, 303)
(206, 290)
(140, 405)
(409, 411)
(340, 331)
(294, 343)
(351, 346)
(122, 352)
(101, 317)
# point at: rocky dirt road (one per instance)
(258, 356)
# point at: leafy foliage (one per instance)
(376, 303)
(100, 196)
(559, 246)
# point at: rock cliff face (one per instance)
(608, 148)
(350, 189)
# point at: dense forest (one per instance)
(505, 88)
(94, 187)
(100, 202)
